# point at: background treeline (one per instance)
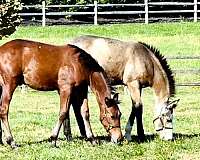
(114, 8)
(9, 18)
(29, 2)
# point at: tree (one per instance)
(9, 18)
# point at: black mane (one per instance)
(88, 60)
(93, 65)
(165, 67)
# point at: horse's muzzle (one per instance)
(116, 135)
(166, 134)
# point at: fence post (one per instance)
(195, 10)
(146, 12)
(43, 14)
(95, 12)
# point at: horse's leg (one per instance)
(65, 94)
(137, 110)
(77, 102)
(1, 141)
(7, 91)
(86, 116)
(80, 105)
(67, 127)
(79, 119)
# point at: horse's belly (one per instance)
(39, 81)
(41, 85)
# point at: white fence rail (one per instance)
(146, 10)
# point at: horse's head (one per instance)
(164, 121)
(110, 119)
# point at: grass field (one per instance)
(33, 114)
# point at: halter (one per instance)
(161, 121)
(160, 117)
(110, 126)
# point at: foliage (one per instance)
(9, 19)
(88, 18)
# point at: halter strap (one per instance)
(163, 126)
(109, 125)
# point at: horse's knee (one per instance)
(138, 105)
(85, 114)
(62, 116)
(85, 110)
(3, 112)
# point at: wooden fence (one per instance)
(145, 11)
(146, 5)
(188, 71)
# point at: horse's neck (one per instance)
(99, 87)
(161, 90)
(161, 87)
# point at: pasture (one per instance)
(33, 114)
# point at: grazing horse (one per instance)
(136, 65)
(67, 69)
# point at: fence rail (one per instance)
(145, 11)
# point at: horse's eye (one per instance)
(112, 117)
(169, 120)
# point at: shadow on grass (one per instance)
(106, 139)
(178, 136)
(99, 139)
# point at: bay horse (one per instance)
(67, 69)
(136, 65)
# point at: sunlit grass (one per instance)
(33, 114)
(172, 39)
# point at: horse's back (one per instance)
(41, 66)
(11, 58)
(122, 61)
(34, 63)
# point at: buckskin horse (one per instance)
(136, 65)
(67, 69)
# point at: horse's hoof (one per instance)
(127, 138)
(125, 141)
(53, 141)
(141, 139)
(68, 138)
(93, 141)
(53, 144)
(14, 145)
(52, 138)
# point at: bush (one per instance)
(9, 19)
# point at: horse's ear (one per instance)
(116, 97)
(107, 102)
(173, 104)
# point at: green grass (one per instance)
(170, 38)
(33, 114)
